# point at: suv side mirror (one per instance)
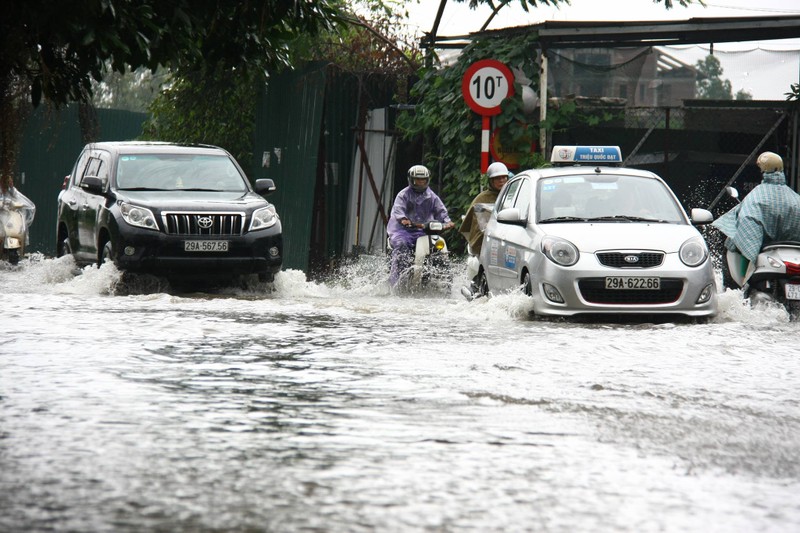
(93, 185)
(265, 186)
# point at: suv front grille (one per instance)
(215, 224)
(623, 259)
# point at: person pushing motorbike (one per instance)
(472, 226)
(413, 207)
(769, 213)
(497, 176)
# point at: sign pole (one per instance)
(485, 131)
(485, 84)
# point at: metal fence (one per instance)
(698, 148)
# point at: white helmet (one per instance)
(419, 172)
(769, 162)
(496, 170)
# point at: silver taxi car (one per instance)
(588, 236)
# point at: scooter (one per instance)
(774, 277)
(472, 291)
(16, 215)
(429, 268)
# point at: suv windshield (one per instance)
(605, 198)
(174, 172)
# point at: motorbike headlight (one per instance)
(140, 217)
(693, 252)
(263, 218)
(560, 251)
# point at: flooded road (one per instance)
(338, 407)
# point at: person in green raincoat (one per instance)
(769, 213)
(473, 224)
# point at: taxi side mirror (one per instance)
(701, 216)
(513, 216)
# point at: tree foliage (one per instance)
(207, 107)
(51, 51)
(451, 130)
(710, 85)
(217, 105)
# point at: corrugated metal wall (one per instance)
(306, 123)
(51, 142)
(288, 123)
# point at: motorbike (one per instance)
(429, 267)
(471, 291)
(16, 216)
(774, 277)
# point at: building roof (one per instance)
(559, 34)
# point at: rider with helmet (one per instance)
(473, 224)
(769, 213)
(413, 207)
(497, 175)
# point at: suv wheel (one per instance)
(107, 253)
(63, 247)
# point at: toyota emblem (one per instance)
(205, 222)
(631, 258)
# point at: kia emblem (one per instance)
(631, 258)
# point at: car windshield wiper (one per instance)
(626, 218)
(562, 219)
(143, 189)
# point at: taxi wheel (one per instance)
(527, 286)
(483, 284)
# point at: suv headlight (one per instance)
(693, 252)
(140, 217)
(263, 218)
(560, 251)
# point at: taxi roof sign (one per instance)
(586, 154)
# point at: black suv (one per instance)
(180, 211)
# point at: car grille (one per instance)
(618, 259)
(593, 290)
(204, 223)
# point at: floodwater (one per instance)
(338, 407)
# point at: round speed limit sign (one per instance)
(485, 84)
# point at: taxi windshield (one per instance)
(611, 198)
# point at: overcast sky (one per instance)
(765, 76)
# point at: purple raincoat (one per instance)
(418, 207)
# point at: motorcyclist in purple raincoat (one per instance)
(413, 207)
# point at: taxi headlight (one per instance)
(141, 217)
(263, 218)
(693, 252)
(560, 251)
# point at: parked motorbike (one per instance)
(429, 268)
(774, 277)
(16, 216)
